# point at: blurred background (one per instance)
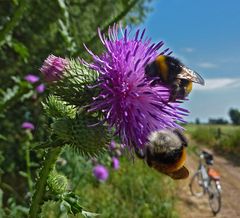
(204, 35)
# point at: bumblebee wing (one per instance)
(182, 173)
(191, 75)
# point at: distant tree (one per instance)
(197, 121)
(217, 121)
(234, 116)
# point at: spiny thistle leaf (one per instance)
(88, 141)
(74, 86)
(89, 214)
(51, 209)
(56, 108)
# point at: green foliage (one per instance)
(235, 116)
(231, 142)
(135, 191)
(53, 209)
(205, 134)
(219, 121)
(13, 22)
(21, 91)
(70, 163)
(30, 30)
(197, 121)
(224, 138)
(13, 210)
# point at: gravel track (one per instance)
(192, 207)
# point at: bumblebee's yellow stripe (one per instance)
(161, 62)
(189, 87)
(182, 160)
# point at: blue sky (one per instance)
(205, 35)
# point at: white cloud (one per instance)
(207, 65)
(188, 50)
(218, 83)
(230, 60)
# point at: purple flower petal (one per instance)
(31, 78)
(100, 172)
(127, 99)
(112, 145)
(40, 88)
(28, 125)
(115, 163)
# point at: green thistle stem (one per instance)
(28, 160)
(28, 166)
(40, 187)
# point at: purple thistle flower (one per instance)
(31, 78)
(100, 172)
(40, 88)
(115, 163)
(53, 68)
(128, 100)
(28, 125)
(112, 145)
(122, 146)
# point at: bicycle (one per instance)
(207, 180)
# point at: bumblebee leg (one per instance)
(148, 158)
(182, 137)
(174, 92)
(139, 153)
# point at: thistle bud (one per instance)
(57, 183)
(53, 68)
(79, 135)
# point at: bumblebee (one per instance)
(165, 151)
(173, 73)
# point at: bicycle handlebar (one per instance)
(208, 157)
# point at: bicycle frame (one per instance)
(208, 180)
(204, 173)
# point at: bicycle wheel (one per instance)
(214, 197)
(196, 185)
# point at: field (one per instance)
(222, 138)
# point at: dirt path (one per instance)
(192, 207)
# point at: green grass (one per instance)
(226, 128)
(207, 135)
(135, 191)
